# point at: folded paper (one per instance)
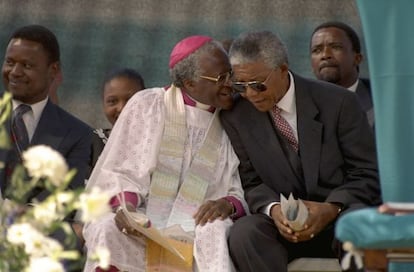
(295, 211)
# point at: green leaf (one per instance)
(5, 142)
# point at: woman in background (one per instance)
(118, 87)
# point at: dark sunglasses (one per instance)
(258, 86)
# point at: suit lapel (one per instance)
(363, 92)
(258, 122)
(263, 134)
(49, 129)
(309, 133)
(364, 95)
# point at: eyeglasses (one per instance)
(258, 86)
(220, 79)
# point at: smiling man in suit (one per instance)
(299, 136)
(31, 64)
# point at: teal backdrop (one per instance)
(96, 36)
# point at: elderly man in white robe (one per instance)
(169, 157)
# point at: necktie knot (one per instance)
(21, 109)
(284, 127)
(277, 110)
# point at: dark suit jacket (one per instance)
(64, 133)
(363, 92)
(97, 147)
(337, 152)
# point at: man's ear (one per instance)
(358, 58)
(54, 69)
(284, 67)
(188, 84)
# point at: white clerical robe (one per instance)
(126, 164)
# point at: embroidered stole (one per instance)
(169, 202)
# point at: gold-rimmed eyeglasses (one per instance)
(220, 79)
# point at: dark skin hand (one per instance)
(122, 222)
(77, 228)
(213, 209)
(208, 212)
(320, 215)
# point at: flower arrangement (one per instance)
(26, 230)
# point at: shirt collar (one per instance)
(287, 103)
(354, 86)
(37, 108)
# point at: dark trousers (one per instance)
(256, 245)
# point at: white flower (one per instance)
(45, 212)
(44, 264)
(64, 197)
(42, 161)
(42, 246)
(93, 204)
(53, 208)
(35, 243)
(102, 256)
(20, 233)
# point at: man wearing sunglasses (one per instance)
(299, 136)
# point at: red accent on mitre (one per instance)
(185, 47)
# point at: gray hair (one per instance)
(258, 46)
(189, 67)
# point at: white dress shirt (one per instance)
(31, 118)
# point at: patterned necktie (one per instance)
(284, 128)
(19, 131)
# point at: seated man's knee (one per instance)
(211, 229)
(245, 229)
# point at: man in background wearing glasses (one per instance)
(299, 136)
